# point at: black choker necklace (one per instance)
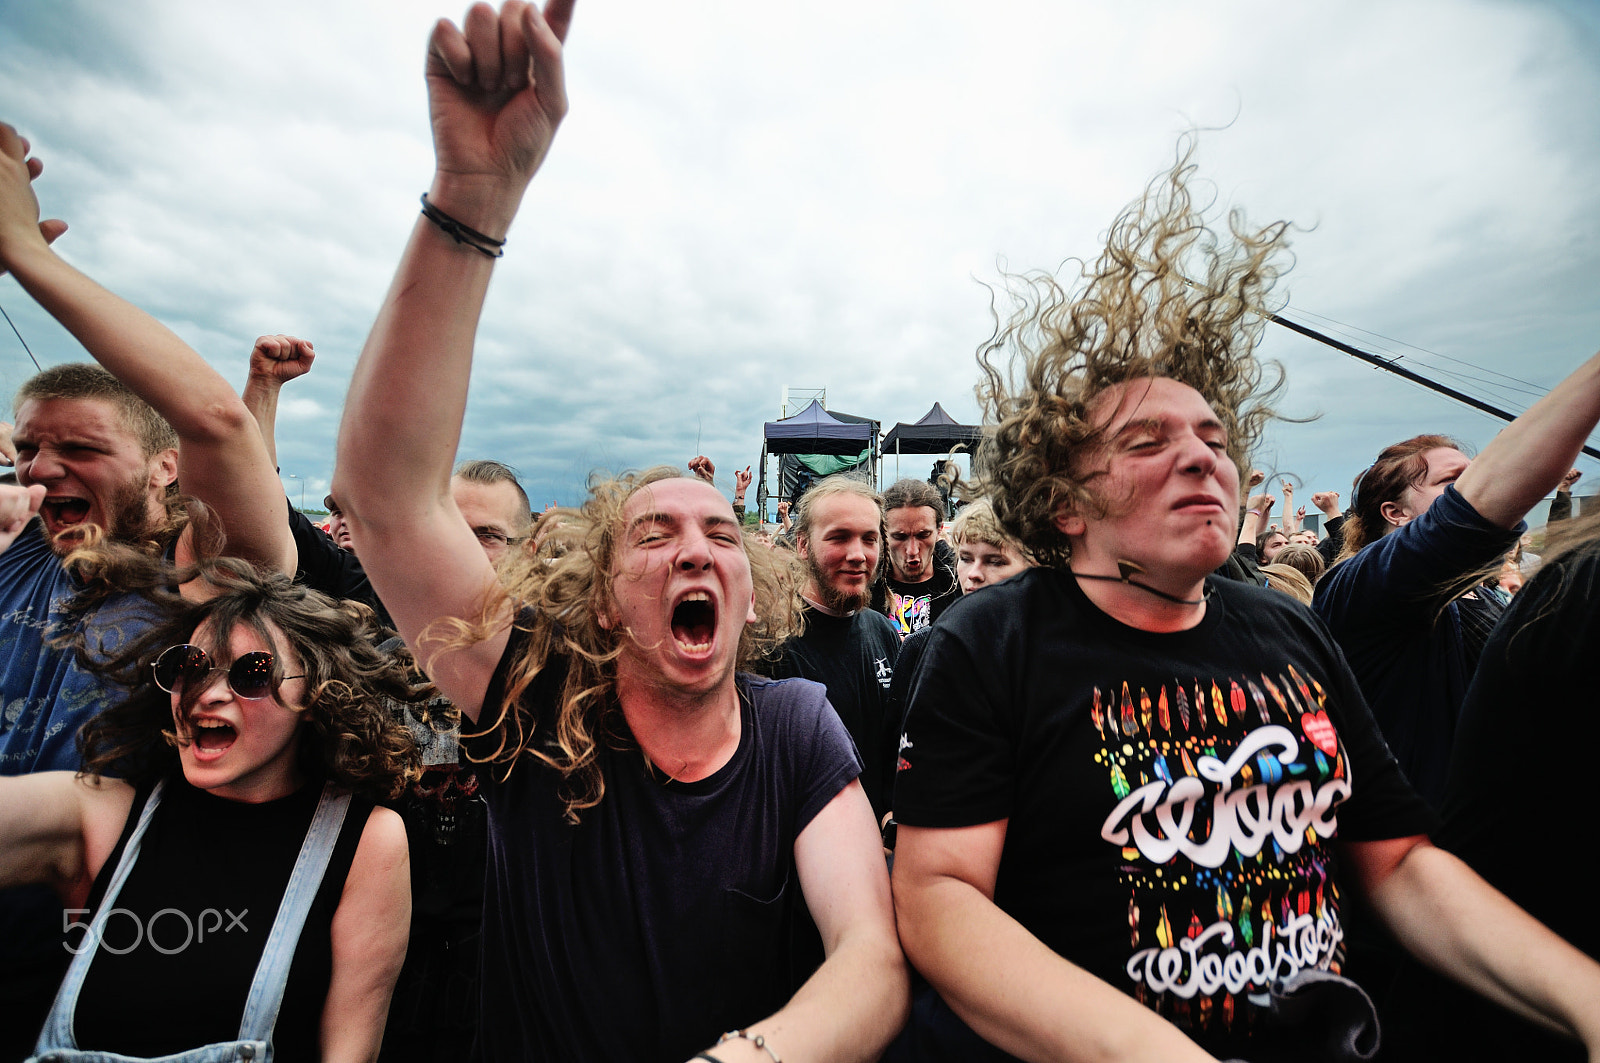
(1128, 570)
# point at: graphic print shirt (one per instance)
(913, 606)
(1171, 797)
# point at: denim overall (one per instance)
(57, 1044)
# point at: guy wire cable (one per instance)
(20, 340)
(1391, 365)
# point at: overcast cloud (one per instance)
(745, 197)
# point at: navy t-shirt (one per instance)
(672, 911)
(1171, 797)
(1411, 648)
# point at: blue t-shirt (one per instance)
(1407, 643)
(44, 696)
(672, 911)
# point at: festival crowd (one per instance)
(1112, 766)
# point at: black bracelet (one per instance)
(707, 1055)
(462, 234)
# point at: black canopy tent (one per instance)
(935, 433)
(810, 434)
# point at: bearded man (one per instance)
(847, 646)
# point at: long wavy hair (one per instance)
(352, 735)
(1167, 297)
(557, 588)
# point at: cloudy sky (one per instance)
(751, 196)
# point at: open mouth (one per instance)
(64, 512)
(212, 738)
(694, 622)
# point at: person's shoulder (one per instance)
(784, 708)
(999, 601)
(782, 694)
(1252, 599)
(873, 622)
(27, 550)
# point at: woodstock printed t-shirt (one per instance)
(1171, 798)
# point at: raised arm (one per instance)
(1256, 513)
(495, 96)
(274, 361)
(1532, 454)
(221, 459)
(1455, 922)
(857, 1000)
(1002, 981)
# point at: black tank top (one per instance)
(182, 945)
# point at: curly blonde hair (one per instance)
(1166, 298)
(352, 737)
(559, 587)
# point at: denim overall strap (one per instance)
(266, 992)
(57, 1032)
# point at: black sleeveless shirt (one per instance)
(182, 945)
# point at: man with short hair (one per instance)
(917, 587)
(847, 647)
(493, 503)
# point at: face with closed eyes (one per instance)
(681, 589)
(1169, 490)
(1445, 466)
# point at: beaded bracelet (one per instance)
(756, 1039)
(462, 234)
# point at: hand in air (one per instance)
(20, 226)
(1569, 479)
(8, 449)
(783, 509)
(280, 359)
(1327, 501)
(1287, 487)
(741, 480)
(496, 90)
(1262, 503)
(18, 505)
(701, 466)
(1256, 477)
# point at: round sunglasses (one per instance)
(177, 668)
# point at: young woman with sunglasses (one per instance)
(234, 894)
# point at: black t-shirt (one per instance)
(1411, 648)
(913, 606)
(203, 894)
(1171, 797)
(324, 567)
(854, 658)
(672, 911)
(1510, 805)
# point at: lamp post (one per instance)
(292, 476)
